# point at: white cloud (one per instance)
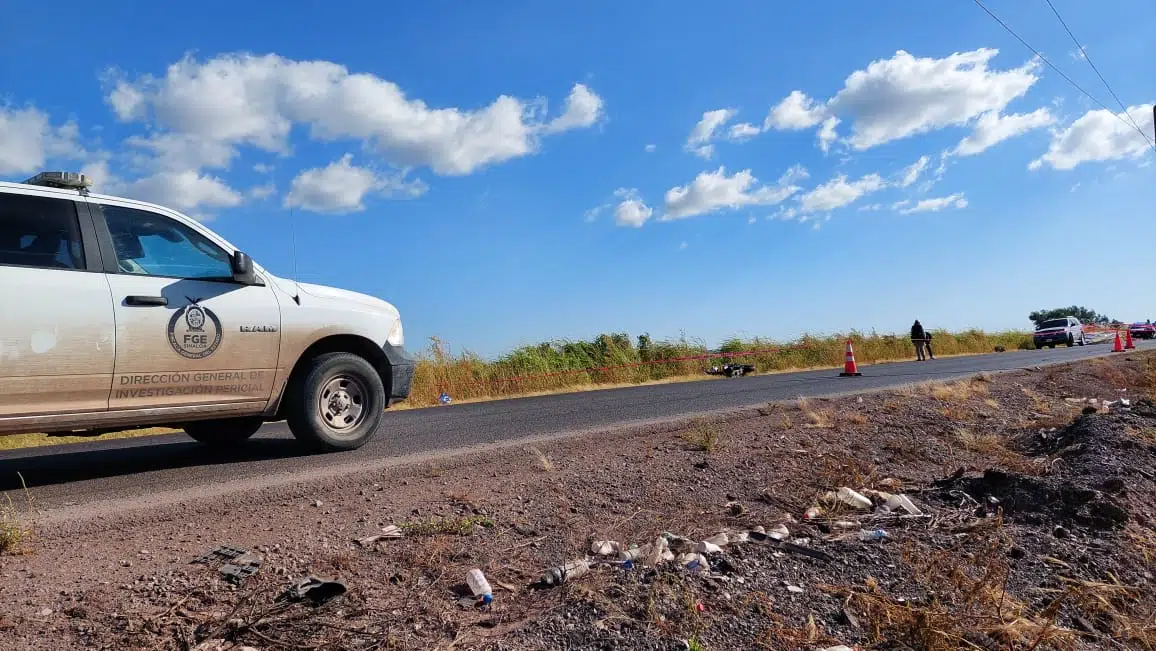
(911, 173)
(341, 187)
(178, 152)
(906, 95)
(262, 168)
(871, 207)
(713, 191)
(28, 140)
(1099, 136)
(593, 213)
(932, 205)
(743, 131)
(583, 109)
(186, 190)
(827, 133)
(650, 149)
(752, 219)
(632, 210)
(701, 135)
(839, 192)
(683, 246)
(263, 191)
(993, 128)
(244, 99)
(795, 112)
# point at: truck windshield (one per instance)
(1054, 323)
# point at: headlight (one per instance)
(396, 335)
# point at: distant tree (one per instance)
(1084, 314)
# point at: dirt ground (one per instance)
(1036, 528)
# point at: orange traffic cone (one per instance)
(849, 367)
(1128, 345)
(1117, 347)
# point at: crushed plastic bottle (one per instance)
(898, 502)
(563, 573)
(605, 548)
(849, 497)
(872, 535)
(812, 513)
(693, 562)
(721, 539)
(705, 547)
(479, 586)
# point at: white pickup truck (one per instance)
(118, 314)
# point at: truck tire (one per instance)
(221, 432)
(336, 403)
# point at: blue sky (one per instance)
(523, 171)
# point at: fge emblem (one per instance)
(194, 331)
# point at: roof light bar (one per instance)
(66, 180)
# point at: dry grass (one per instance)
(541, 460)
(15, 524)
(1038, 402)
(817, 418)
(16, 441)
(445, 526)
(857, 419)
(958, 392)
(702, 436)
(971, 608)
(986, 443)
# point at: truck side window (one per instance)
(154, 245)
(39, 232)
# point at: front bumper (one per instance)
(1052, 338)
(401, 369)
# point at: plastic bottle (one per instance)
(870, 535)
(563, 573)
(479, 585)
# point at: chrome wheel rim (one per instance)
(342, 403)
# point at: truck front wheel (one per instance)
(336, 403)
(223, 431)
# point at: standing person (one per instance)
(927, 343)
(919, 338)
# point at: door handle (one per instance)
(145, 300)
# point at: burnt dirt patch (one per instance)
(988, 513)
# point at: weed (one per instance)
(957, 391)
(1038, 402)
(818, 417)
(702, 436)
(15, 530)
(694, 644)
(992, 402)
(986, 443)
(544, 463)
(446, 526)
(857, 419)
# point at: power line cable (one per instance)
(1087, 58)
(1058, 71)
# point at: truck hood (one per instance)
(309, 291)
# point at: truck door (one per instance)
(186, 332)
(56, 319)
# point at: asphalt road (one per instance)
(76, 474)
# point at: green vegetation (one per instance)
(446, 526)
(561, 365)
(1084, 314)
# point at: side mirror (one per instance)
(243, 268)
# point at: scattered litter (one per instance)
(605, 548)
(731, 370)
(705, 547)
(314, 590)
(445, 398)
(795, 589)
(779, 533)
(220, 554)
(241, 568)
(897, 502)
(693, 562)
(872, 535)
(812, 513)
(849, 497)
(479, 586)
(843, 647)
(721, 539)
(390, 532)
(563, 573)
